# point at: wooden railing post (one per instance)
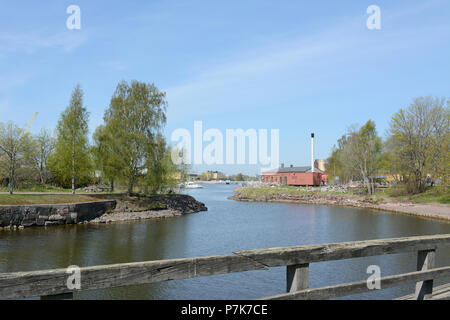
(425, 261)
(297, 277)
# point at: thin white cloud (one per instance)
(310, 60)
(32, 42)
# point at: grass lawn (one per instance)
(29, 199)
(432, 195)
(37, 188)
(437, 194)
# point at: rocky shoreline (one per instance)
(162, 207)
(111, 208)
(425, 210)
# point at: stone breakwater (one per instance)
(307, 198)
(20, 216)
(168, 206)
(105, 211)
(425, 210)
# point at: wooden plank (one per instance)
(440, 292)
(276, 257)
(52, 282)
(297, 277)
(347, 289)
(425, 261)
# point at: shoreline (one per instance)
(135, 215)
(435, 211)
(118, 208)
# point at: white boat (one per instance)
(192, 185)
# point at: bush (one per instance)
(398, 190)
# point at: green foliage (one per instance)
(420, 142)
(132, 122)
(161, 172)
(42, 146)
(105, 159)
(71, 162)
(357, 156)
(15, 152)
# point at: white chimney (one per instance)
(312, 152)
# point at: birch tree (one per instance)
(71, 159)
(134, 118)
(14, 151)
(43, 145)
(421, 138)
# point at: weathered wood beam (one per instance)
(347, 289)
(276, 257)
(439, 292)
(425, 261)
(297, 277)
(53, 282)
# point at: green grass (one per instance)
(257, 192)
(37, 188)
(437, 194)
(432, 195)
(29, 199)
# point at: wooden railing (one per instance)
(53, 283)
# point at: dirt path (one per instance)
(428, 210)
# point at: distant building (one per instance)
(213, 175)
(313, 175)
(295, 176)
(321, 164)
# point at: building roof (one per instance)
(293, 169)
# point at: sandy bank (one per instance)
(425, 210)
(130, 216)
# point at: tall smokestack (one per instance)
(312, 152)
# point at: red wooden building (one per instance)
(295, 176)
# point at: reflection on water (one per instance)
(226, 226)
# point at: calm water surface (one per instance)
(227, 226)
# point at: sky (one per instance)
(296, 66)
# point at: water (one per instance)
(227, 226)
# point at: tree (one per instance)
(420, 139)
(71, 159)
(162, 173)
(239, 177)
(338, 166)
(105, 158)
(364, 152)
(15, 147)
(43, 144)
(135, 116)
(357, 155)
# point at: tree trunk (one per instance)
(112, 185)
(11, 181)
(130, 188)
(73, 167)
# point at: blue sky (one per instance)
(297, 66)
